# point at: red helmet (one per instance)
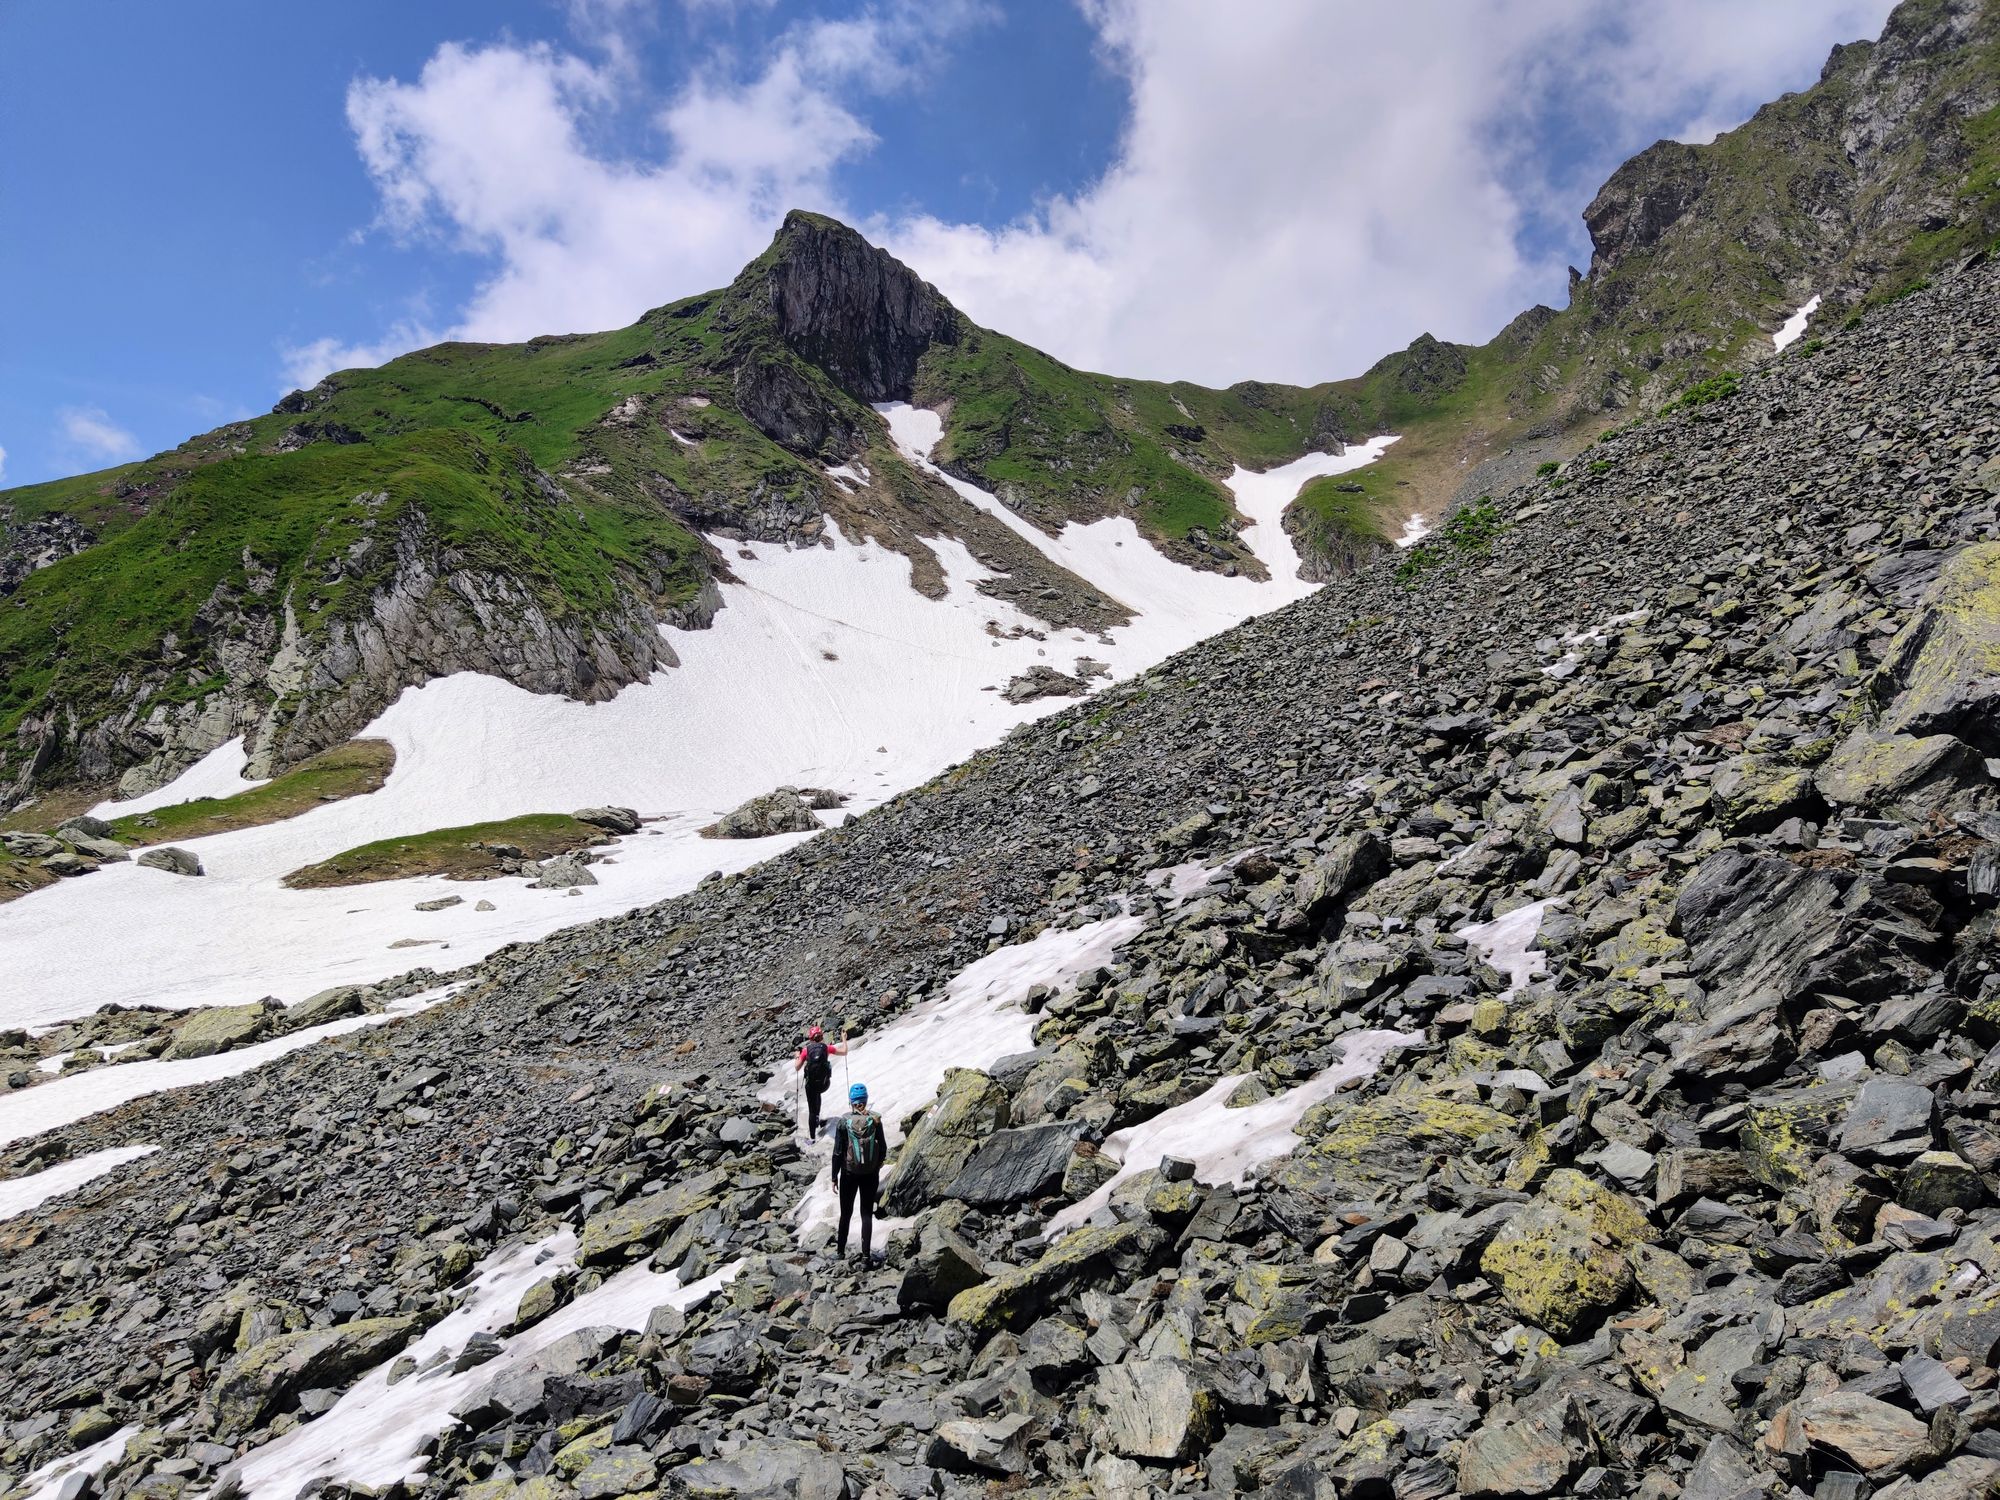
(813, 1033)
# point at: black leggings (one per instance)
(860, 1185)
(813, 1096)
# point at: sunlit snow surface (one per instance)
(375, 1433)
(1415, 529)
(20, 1195)
(1795, 326)
(1226, 1144)
(824, 668)
(978, 1022)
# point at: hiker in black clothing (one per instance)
(813, 1059)
(859, 1149)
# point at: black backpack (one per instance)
(819, 1072)
(864, 1144)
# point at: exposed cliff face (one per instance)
(841, 304)
(1849, 190)
(294, 691)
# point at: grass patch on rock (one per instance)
(476, 851)
(351, 770)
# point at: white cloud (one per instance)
(3, 463)
(1302, 188)
(305, 365)
(90, 430)
(1298, 188)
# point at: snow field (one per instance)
(1177, 606)
(375, 1433)
(824, 668)
(50, 1106)
(1226, 1144)
(19, 1195)
(978, 1022)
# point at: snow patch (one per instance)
(977, 1022)
(1504, 943)
(375, 1434)
(1180, 883)
(46, 1482)
(1415, 529)
(20, 1195)
(1177, 606)
(217, 774)
(1790, 330)
(683, 439)
(1226, 1144)
(77, 1096)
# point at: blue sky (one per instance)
(204, 204)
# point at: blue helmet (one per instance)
(858, 1094)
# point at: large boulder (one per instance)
(222, 1029)
(262, 1377)
(942, 1266)
(1156, 1408)
(175, 861)
(1516, 1458)
(1012, 1165)
(1867, 1434)
(999, 1445)
(1899, 773)
(1943, 669)
(1351, 865)
(619, 820)
(970, 1107)
(786, 810)
(767, 1466)
(1011, 1298)
(1562, 1262)
(624, 1230)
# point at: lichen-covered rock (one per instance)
(623, 1230)
(258, 1380)
(785, 810)
(1011, 1297)
(222, 1029)
(970, 1107)
(1561, 1262)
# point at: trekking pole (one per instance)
(846, 1079)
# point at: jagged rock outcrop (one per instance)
(28, 544)
(854, 311)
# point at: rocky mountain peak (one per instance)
(853, 310)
